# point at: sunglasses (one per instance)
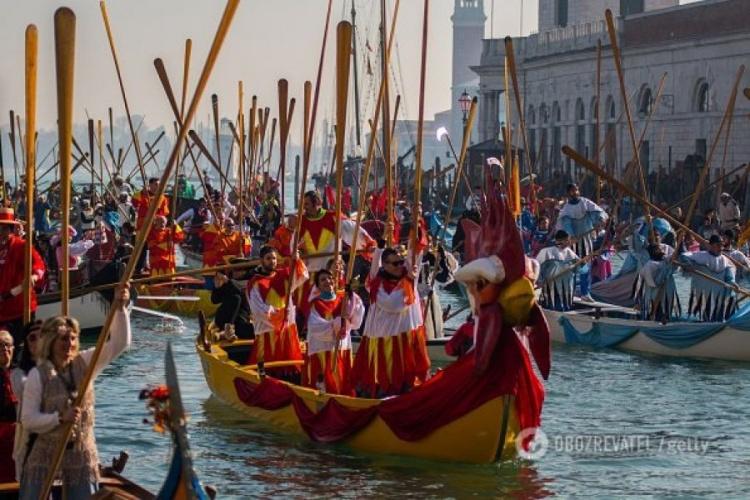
(6, 346)
(396, 262)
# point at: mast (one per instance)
(356, 77)
(386, 126)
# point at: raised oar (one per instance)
(712, 184)
(133, 134)
(386, 129)
(217, 133)
(343, 65)
(161, 71)
(286, 111)
(747, 93)
(32, 52)
(725, 119)
(578, 157)
(12, 136)
(91, 149)
(65, 37)
(420, 136)
(21, 140)
(141, 239)
(631, 129)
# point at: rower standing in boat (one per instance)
(392, 356)
(273, 311)
(579, 217)
(327, 325)
(558, 284)
(657, 274)
(711, 301)
(161, 246)
(234, 309)
(12, 277)
(141, 202)
(48, 394)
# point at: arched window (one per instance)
(531, 126)
(703, 98)
(647, 100)
(543, 141)
(610, 137)
(556, 135)
(594, 139)
(581, 127)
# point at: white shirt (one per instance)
(554, 253)
(36, 421)
(320, 331)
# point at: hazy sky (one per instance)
(269, 40)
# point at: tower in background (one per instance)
(468, 32)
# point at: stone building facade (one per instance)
(700, 48)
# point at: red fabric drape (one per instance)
(334, 421)
(449, 395)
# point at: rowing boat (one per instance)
(165, 297)
(604, 325)
(454, 416)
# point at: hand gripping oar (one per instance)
(65, 38)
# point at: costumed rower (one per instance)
(554, 261)
(11, 275)
(579, 217)
(192, 221)
(317, 234)
(273, 312)
(710, 301)
(161, 246)
(141, 202)
(658, 296)
(327, 325)
(392, 356)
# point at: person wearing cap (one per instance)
(556, 277)
(161, 246)
(658, 294)
(711, 301)
(579, 217)
(185, 189)
(728, 212)
(12, 275)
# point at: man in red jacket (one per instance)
(11, 275)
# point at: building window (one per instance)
(561, 13)
(647, 100)
(531, 126)
(557, 136)
(630, 7)
(703, 98)
(581, 128)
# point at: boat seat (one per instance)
(275, 364)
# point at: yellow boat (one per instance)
(485, 434)
(168, 297)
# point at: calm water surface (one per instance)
(686, 423)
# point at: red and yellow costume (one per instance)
(209, 237)
(142, 201)
(223, 246)
(11, 278)
(161, 249)
(393, 352)
(324, 313)
(273, 314)
(282, 240)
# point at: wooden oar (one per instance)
(65, 21)
(343, 65)
(726, 118)
(386, 141)
(747, 93)
(286, 111)
(32, 51)
(420, 136)
(12, 136)
(631, 129)
(65, 31)
(110, 37)
(217, 134)
(578, 157)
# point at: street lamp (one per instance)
(465, 102)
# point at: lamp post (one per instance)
(465, 102)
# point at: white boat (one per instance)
(90, 309)
(604, 325)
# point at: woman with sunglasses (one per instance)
(49, 397)
(393, 355)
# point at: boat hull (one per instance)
(475, 437)
(177, 288)
(90, 309)
(728, 344)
